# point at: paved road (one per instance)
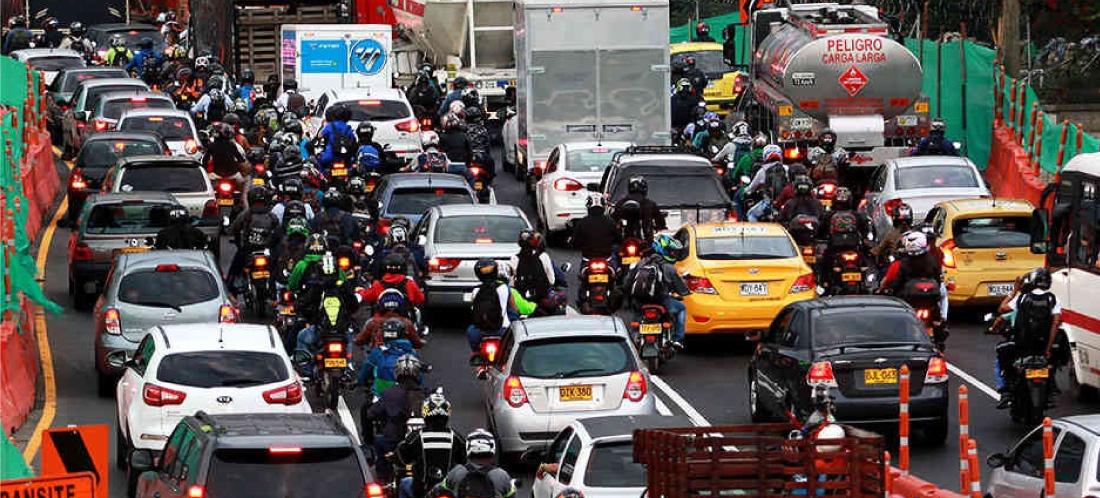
(708, 382)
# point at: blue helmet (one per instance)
(391, 299)
(669, 248)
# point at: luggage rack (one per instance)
(649, 149)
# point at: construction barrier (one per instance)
(19, 370)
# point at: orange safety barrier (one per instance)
(903, 421)
(1048, 458)
(19, 369)
(1010, 172)
(909, 486)
(975, 469)
(964, 436)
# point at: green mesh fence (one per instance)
(718, 25)
(1018, 117)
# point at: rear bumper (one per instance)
(972, 288)
(448, 294)
(89, 273)
(521, 429)
(927, 406)
(710, 314)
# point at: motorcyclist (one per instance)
(711, 136)
(76, 40)
(1036, 315)
(369, 155)
(180, 234)
(225, 158)
(292, 248)
(936, 144)
(233, 119)
(596, 235)
(425, 92)
(490, 318)
(667, 251)
(840, 236)
(647, 219)
(803, 202)
(339, 138)
(390, 304)
(454, 142)
(698, 125)
(292, 191)
(324, 279)
(18, 37)
(395, 406)
(772, 156)
(51, 37)
(432, 160)
(290, 100)
(916, 263)
(695, 75)
(183, 89)
(337, 225)
(395, 276)
(534, 271)
(396, 344)
(480, 141)
(212, 105)
(902, 221)
(702, 33)
(793, 171)
(739, 144)
(141, 65)
(683, 104)
(118, 55)
(255, 229)
(458, 85)
(246, 87)
(433, 450)
(826, 158)
(479, 472)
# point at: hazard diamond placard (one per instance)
(853, 80)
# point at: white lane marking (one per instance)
(693, 414)
(345, 417)
(989, 391)
(662, 408)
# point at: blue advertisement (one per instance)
(367, 57)
(324, 56)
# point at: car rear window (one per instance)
(206, 369)
(91, 98)
(310, 473)
(133, 36)
(73, 81)
(917, 177)
(179, 287)
(868, 327)
(174, 179)
(105, 153)
(376, 110)
(478, 229)
(168, 127)
(611, 465)
(669, 189)
(992, 231)
(568, 357)
(56, 63)
(115, 108)
(126, 218)
(590, 160)
(417, 200)
(732, 248)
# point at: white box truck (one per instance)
(590, 70)
(330, 56)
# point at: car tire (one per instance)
(122, 448)
(756, 412)
(935, 433)
(105, 385)
(519, 170)
(505, 164)
(1079, 391)
(72, 286)
(82, 301)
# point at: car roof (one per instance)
(624, 425)
(1089, 422)
(42, 52)
(916, 161)
(182, 338)
(145, 111)
(129, 94)
(152, 259)
(112, 81)
(568, 146)
(152, 197)
(840, 302)
(738, 229)
(120, 26)
(988, 205)
(1084, 163)
(664, 159)
(259, 430)
(157, 160)
(570, 326)
(478, 210)
(124, 135)
(345, 94)
(425, 179)
(92, 69)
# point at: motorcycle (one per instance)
(599, 293)
(825, 192)
(259, 282)
(804, 230)
(1030, 383)
(338, 175)
(654, 336)
(482, 184)
(287, 321)
(923, 294)
(630, 252)
(846, 274)
(226, 193)
(486, 354)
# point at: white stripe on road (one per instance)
(662, 408)
(344, 413)
(989, 391)
(693, 414)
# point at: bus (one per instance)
(1066, 227)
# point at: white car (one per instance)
(561, 194)
(1019, 472)
(174, 126)
(49, 60)
(178, 370)
(395, 125)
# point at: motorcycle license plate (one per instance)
(575, 393)
(1036, 373)
(370, 188)
(261, 274)
(880, 376)
(127, 250)
(649, 328)
(257, 181)
(478, 185)
(1000, 290)
(754, 289)
(339, 172)
(826, 202)
(631, 260)
(599, 278)
(336, 362)
(852, 277)
(225, 202)
(286, 310)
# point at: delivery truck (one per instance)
(590, 71)
(330, 56)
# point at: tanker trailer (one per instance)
(829, 65)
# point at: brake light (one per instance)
(850, 256)
(514, 393)
(650, 314)
(343, 262)
(483, 240)
(210, 209)
(77, 181)
(155, 395)
(937, 371)
(731, 215)
(410, 125)
(890, 206)
(540, 166)
(374, 491)
(225, 187)
(923, 313)
(100, 125)
(792, 153)
(370, 103)
(635, 387)
(286, 296)
(196, 491)
(259, 261)
(112, 323)
(948, 248)
(522, 142)
(335, 349)
(828, 188)
(567, 185)
(821, 373)
(227, 314)
(701, 285)
(925, 286)
(597, 266)
(81, 252)
(168, 268)
(489, 349)
(290, 394)
(442, 265)
(260, 168)
(631, 249)
(284, 450)
(138, 100)
(357, 245)
(803, 283)
(475, 171)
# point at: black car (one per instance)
(854, 345)
(100, 152)
(267, 454)
(101, 34)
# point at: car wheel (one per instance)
(755, 410)
(935, 433)
(1077, 390)
(105, 385)
(82, 301)
(520, 170)
(131, 482)
(122, 448)
(653, 365)
(505, 164)
(72, 286)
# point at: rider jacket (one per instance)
(180, 236)
(407, 286)
(456, 145)
(652, 221)
(925, 266)
(596, 234)
(801, 205)
(432, 451)
(371, 336)
(395, 406)
(224, 157)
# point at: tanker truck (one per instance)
(830, 65)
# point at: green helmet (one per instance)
(297, 226)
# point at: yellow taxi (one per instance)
(985, 245)
(741, 275)
(725, 84)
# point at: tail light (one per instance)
(443, 265)
(803, 283)
(225, 187)
(597, 266)
(112, 323)
(923, 313)
(937, 371)
(259, 261)
(384, 225)
(475, 171)
(483, 240)
(792, 153)
(514, 392)
(426, 123)
(285, 450)
(490, 348)
(227, 314)
(155, 395)
(196, 491)
(821, 373)
(409, 126)
(76, 181)
(210, 209)
(100, 125)
(701, 285)
(286, 296)
(828, 189)
(260, 168)
(290, 394)
(738, 84)
(191, 146)
(567, 185)
(81, 252)
(850, 256)
(631, 249)
(948, 248)
(731, 215)
(540, 166)
(335, 349)
(650, 314)
(343, 262)
(635, 387)
(374, 491)
(522, 142)
(890, 206)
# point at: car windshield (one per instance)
(127, 218)
(611, 465)
(105, 153)
(667, 189)
(919, 177)
(868, 328)
(992, 231)
(377, 110)
(113, 109)
(55, 63)
(91, 99)
(134, 36)
(590, 160)
(568, 357)
(309, 473)
(727, 248)
(419, 199)
(74, 80)
(167, 178)
(177, 287)
(478, 229)
(168, 127)
(207, 369)
(708, 61)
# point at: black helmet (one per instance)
(471, 97)
(638, 185)
(50, 24)
(225, 131)
(797, 169)
(17, 22)
(364, 131)
(903, 214)
(341, 112)
(356, 186)
(332, 199)
(486, 270)
(145, 43)
(294, 209)
(827, 139)
(247, 76)
(257, 195)
(290, 84)
(803, 185)
(77, 29)
(1040, 278)
(530, 239)
(215, 82)
(292, 188)
(395, 264)
(392, 330)
(630, 210)
(460, 82)
(179, 214)
(317, 244)
(474, 114)
(293, 126)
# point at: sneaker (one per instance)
(1004, 403)
(677, 345)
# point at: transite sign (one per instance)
(68, 450)
(78, 485)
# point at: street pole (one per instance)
(1010, 36)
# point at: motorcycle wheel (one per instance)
(259, 301)
(330, 394)
(653, 365)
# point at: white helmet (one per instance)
(914, 242)
(429, 139)
(458, 108)
(829, 431)
(480, 443)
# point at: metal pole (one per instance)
(939, 79)
(962, 59)
(470, 21)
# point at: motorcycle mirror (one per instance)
(988, 317)
(565, 267)
(369, 250)
(746, 179)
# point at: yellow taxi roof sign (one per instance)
(76, 485)
(966, 206)
(738, 229)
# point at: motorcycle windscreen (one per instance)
(563, 100)
(632, 105)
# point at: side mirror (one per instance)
(118, 359)
(421, 240)
(61, 102)
(141, 460)
(1039, 230)
(996, 460)
(81, 115)
(532, 457)
(593, 187)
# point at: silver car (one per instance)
(49, 60)
(175, 126)
(921, 182)
(455, 236)
(551, 371)
(1019, 473)
(152, 288)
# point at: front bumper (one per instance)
(521, 429)
(710, 314)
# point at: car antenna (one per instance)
(221, 339)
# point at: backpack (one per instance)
(530, 276)
(122, 58)
(295, 101)
(1034, 315)
(488, 316)
(216, 110)
(436, 162)
(932, 146)
(330, 225)
(383, 371)
(20, 39)
(843, 229)
(150, 66)
(825, 169)
(775, 178)
(649, 284)
(343, 145)
(477, 483)
(261, 230)
(368, 157)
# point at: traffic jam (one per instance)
(600, 266)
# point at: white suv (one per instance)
(395, 125)
(178, 370)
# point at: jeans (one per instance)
(757, 211)
(405, 488)
(473, 336)
(678, 311)
(739, 202)
(998, 374)
(236, 269)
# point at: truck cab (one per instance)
(725, 83)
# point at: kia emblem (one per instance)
(754, 271)
(225, 399)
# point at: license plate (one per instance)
(1000, 289)
(370, 188)
(339, 172)
(631, 260)
(261, 274)
(600, 278)
(575, 393)
(909, 120)
(257, 181)
(826, 202)
(225, 202)
(852, 277)
(478, 185)
(880, 376)
(809, 259)
(649, 328)
(336, 362)
(1036, 373)
(128, 250)
(286, 310)
(754, 289)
